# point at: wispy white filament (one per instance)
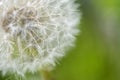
(35, 33)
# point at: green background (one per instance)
(97, 52)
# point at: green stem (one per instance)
(46, 75)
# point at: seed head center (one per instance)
(18, 17)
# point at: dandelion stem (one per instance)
(46, 75)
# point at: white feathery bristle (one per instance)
(34, 34)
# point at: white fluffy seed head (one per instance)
(35, 33)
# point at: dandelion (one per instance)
(34, 34)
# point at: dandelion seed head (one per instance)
(34, 34)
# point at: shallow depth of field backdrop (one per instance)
(97, 52)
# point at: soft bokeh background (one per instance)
(97, 52)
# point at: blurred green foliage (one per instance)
(96, 55)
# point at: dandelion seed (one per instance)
(35, 33)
